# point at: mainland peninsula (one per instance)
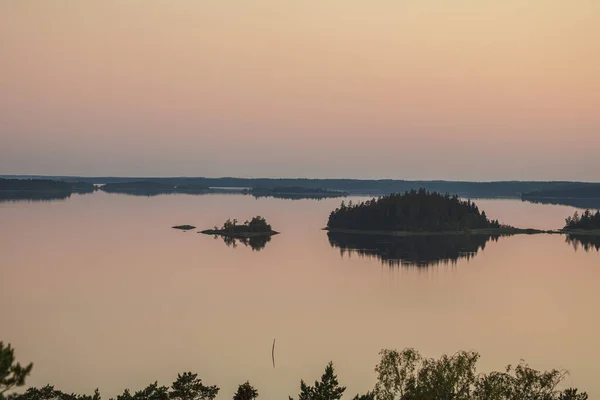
(41, 189)
(256, 227)
(417, 212)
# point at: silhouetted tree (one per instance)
(245, 392)
(12, 374)
(152, 392)
(326, 389)
(585, 221)
(49, 393)
(189, 387)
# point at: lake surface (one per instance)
(99, 291)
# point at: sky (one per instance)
(406, 89)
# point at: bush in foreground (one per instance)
(401, 375)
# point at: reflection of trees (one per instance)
(9, 196)
(573, 202)
(292, 196)
(587, 242)
(257, 243)
(421, 251)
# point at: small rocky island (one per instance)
(417, 212)
(256, 227)
(184, 227)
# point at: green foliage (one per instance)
(585, 221)
(245, 392)
(404, 375)
(411, 211)
(12, 374)
(366, 396)
(572, 394)
(407, 375)
(327, 389)
(189, 387)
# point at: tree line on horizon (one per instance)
(414, 210)
(401, 375)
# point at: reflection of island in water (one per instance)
(418, 250)
(32, 196)
(257, 243)
(587, 242)
(572, 202)
(294, 193)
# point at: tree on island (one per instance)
(585, 221)
(411, 211)
(257, 224)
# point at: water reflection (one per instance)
(295, 196)
(586, 242)
(14, 196)
(572, 202)
(257, 243)
(420, 251)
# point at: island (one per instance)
(256, 227)
(184, 227)
(417, 212)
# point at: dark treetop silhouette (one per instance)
(404, 375)
(587, 221)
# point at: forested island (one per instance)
(404, 374)
(256, 227)
(414, 212)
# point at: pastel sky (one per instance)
(413, 89)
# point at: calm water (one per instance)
(99, 291)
